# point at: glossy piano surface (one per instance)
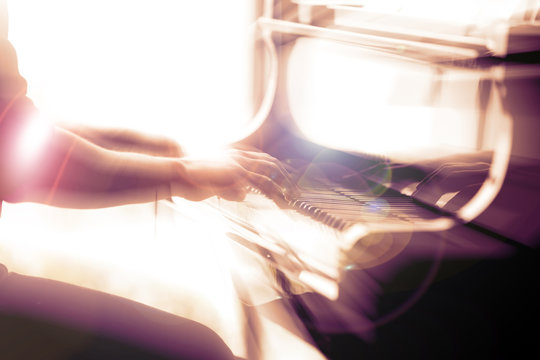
(354, 96)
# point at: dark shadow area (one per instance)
(487, 310)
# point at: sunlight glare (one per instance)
(357, 100)
(32, 139)
(181, 69)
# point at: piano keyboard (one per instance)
(314, 237)
(340, 207)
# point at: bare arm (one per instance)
(127, 140)
(73, 172)
(88, 168)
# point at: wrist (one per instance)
(179, 180)
(179, 170)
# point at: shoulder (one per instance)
(13, 99)
(11, 81)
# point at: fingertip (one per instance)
(234, 194)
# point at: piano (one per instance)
(411, 130)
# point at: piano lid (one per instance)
(404, 79)
(418, 85)
(482, 25)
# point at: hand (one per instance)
(267, 174)
(231, 175)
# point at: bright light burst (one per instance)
(32, 140)
(181, 69)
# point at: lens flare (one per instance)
(33, 137)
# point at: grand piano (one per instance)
(410, 130)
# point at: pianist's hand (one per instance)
(230, 176)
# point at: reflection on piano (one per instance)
(427, 254)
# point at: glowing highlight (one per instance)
(33, 138)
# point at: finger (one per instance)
(245, 147)
(270, 168)
(192, 193)
(257, 155)
(263, 167)
(284, 169)
(279, 194)
(277, 176)
(235, 188)
(175, 150)
(234, 193)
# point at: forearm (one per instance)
(127, 140)
(74, 172)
